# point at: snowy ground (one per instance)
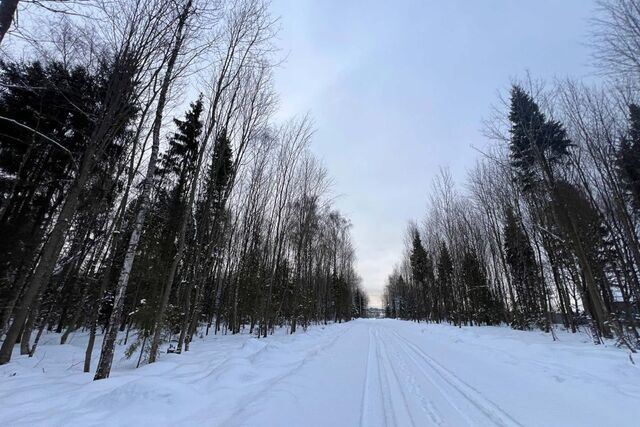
(362, 373)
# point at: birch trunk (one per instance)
(108, 344)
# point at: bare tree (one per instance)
(183, 13)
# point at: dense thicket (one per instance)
(547, 230)
(116, 218)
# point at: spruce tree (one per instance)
(446, 304)
(536, 143)
(221, 170)
(420, 269)
(524, 272)
(628, 158)
(180, 157)
(484, 309)
(538, 146)
(158, 239)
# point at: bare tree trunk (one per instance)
(49, 255)
(44, 321)
(7, 11)
(18, 286)
(25, 339)
(108, 345)
(92, 338)
(109, 258)
(182, 234)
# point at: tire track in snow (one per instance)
(448, 398)
(399, 385)
(490, 409)
(387, 404)
(364, 411)
(426, 404)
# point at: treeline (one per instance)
(547, 229)
(145, 189)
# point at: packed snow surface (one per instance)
(360, 373)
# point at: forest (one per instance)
(147, 192)
(545, 230)
(201, 202)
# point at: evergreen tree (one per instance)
(420, 270)
(221, 170)
(587, 222)
(48, 111)
(158, 240)
(179, 162)
(484, 309)
(444, 268)
(524, 272)
(180, 157)
(628, 158)
(537, 146)
(536, 143)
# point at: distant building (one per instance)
(375, 313)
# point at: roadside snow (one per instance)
(365, 372)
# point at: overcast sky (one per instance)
(399, 88)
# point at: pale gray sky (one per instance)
(399, 88)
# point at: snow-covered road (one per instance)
(362, 373)
(405, 386)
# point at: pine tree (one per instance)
(446, 306)
(524, 272)
(180, 161)
(536, 143)
(180, 157)
(48, 111)
(538, 146)
(220, 171)
(591, 232)
(42, 103)
(628, 158)
(484, 309)
(420, 269)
